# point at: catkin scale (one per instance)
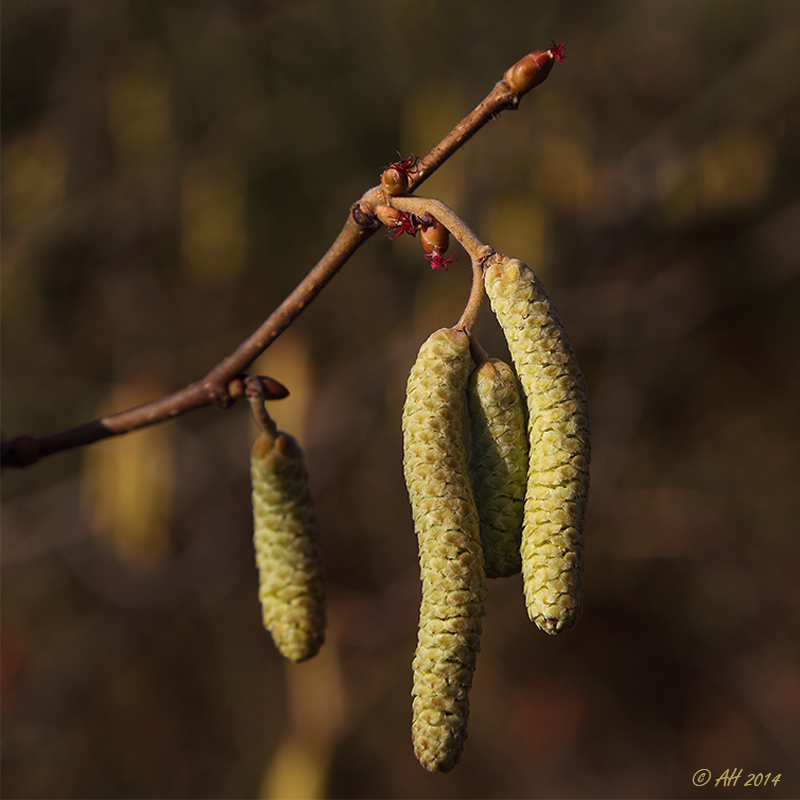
(450, 553)
(558, 433)
(498, 463)
(286, 542)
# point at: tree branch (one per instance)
(223, 384)
(465, 236)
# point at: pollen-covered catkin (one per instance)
(450, 553)
(558, 434)
(287, 548)
(498, 463)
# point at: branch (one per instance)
(223, 384)
(465, 236)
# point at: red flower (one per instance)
(407, 166)
(404, 224)
(557, 50)
(438, 261)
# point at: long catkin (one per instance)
(286, 541)
(498, 463)
(450, 553)
(558, 432)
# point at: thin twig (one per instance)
(254, 392)
(462, 233)
(465, 236)
(476, 295)
(499, 99)
(215, 388)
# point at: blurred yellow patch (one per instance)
(34, 170)
(127, 482)
(563, 171)
(289, 362)
(317, 714)
(517, 224)
(214, 231)
(428, 116)
(732, 173)
(139, 107)
(298, 771)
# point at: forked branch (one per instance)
(224, 383)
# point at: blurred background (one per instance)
(170, 170)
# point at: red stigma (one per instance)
(404, 224)
(557, 50)
(437, 262)
(407, 166)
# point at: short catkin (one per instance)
(558, 433)
(450, 553)
(498, 463)
(286, 542)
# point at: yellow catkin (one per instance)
(498, 463)
(450, 553)
(287, 548)
(558, 433)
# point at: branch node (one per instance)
(364, 217)
(271, 389)
(221, 386)
(219, 394)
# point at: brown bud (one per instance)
(388, 216)
(529, 71)
(394, 181)
(435, 237)
(272, 389)
(236, 388)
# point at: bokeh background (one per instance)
(171, 169)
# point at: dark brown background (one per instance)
(171, 169)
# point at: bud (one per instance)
(435, 237)
(394, 181)
(388, 216)
(532, 69)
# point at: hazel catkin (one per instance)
(286, 541)
(498, 463)
(450, 553)
(558, 434)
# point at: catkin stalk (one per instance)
(450, 554)
(291, 590)
(558, 432)
(498, 463)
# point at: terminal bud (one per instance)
(532, 69)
